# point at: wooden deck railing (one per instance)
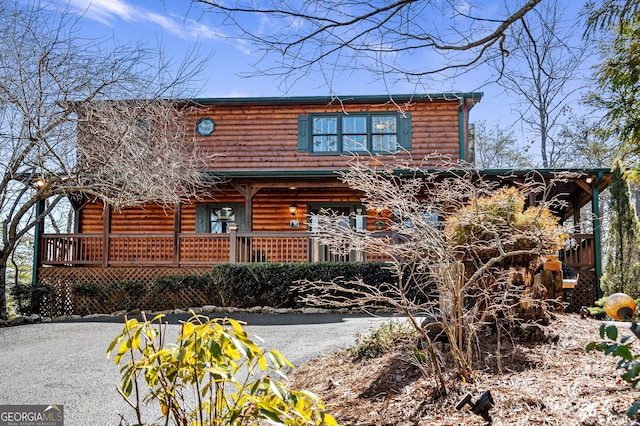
(580, 251)
(186, 250)
(234, 247)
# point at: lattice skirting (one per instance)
(63, 300)
(584, 293)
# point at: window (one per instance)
(217, 218)
(347, 133)
(348, 215)
(221, 218)
(430, 219)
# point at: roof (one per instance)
(397, 98)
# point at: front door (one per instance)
(349, 216)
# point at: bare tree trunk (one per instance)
(543, 139)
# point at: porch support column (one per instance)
(461, 129)
(597, 232)
(247, 190)
(233, 243)
(38, 230)
(106, 231)
(177, 228)
(576, 215)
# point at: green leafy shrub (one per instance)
(380, 340)
(134, 289)
(620, 348)
(258, 284)
(91, 290)
(29, 298)
(206, 362)
(129, 294)
(230, 285)
(179, 282)
(597, 311)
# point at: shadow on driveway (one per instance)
(249, 319)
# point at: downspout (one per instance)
(597, 232)
(461, 128)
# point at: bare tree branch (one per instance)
(542, 72)
(452, 251)
(400, 40)
(53, 84)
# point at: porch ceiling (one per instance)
(574, 187)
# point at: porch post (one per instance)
(106, 230)
(38, 230)
(247, 191)
(233, 243)
(248, 208)
(177, 219)
(597, 233)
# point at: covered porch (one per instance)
(271, 232)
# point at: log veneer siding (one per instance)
(261, 138)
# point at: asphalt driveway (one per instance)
(65, 362)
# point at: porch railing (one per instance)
(235, 247)
(580, 251)
(185, 250)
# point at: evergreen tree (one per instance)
(622, 245)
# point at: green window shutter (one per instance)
(303, 133)
(404, 131)
(241, 218)
(202, 218)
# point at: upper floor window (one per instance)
(347, 133)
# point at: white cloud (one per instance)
(105, 11)
(108, 12)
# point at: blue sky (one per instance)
(178, 26)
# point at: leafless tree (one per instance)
(402, 40)
(498, 149)
(53, 84)
(542, 71)
(584, 143)
(460, 285)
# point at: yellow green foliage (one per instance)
(495, 225)
(213, 375)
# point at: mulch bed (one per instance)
(550, 383)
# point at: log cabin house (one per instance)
(279, 157)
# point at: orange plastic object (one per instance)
(620, 306)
